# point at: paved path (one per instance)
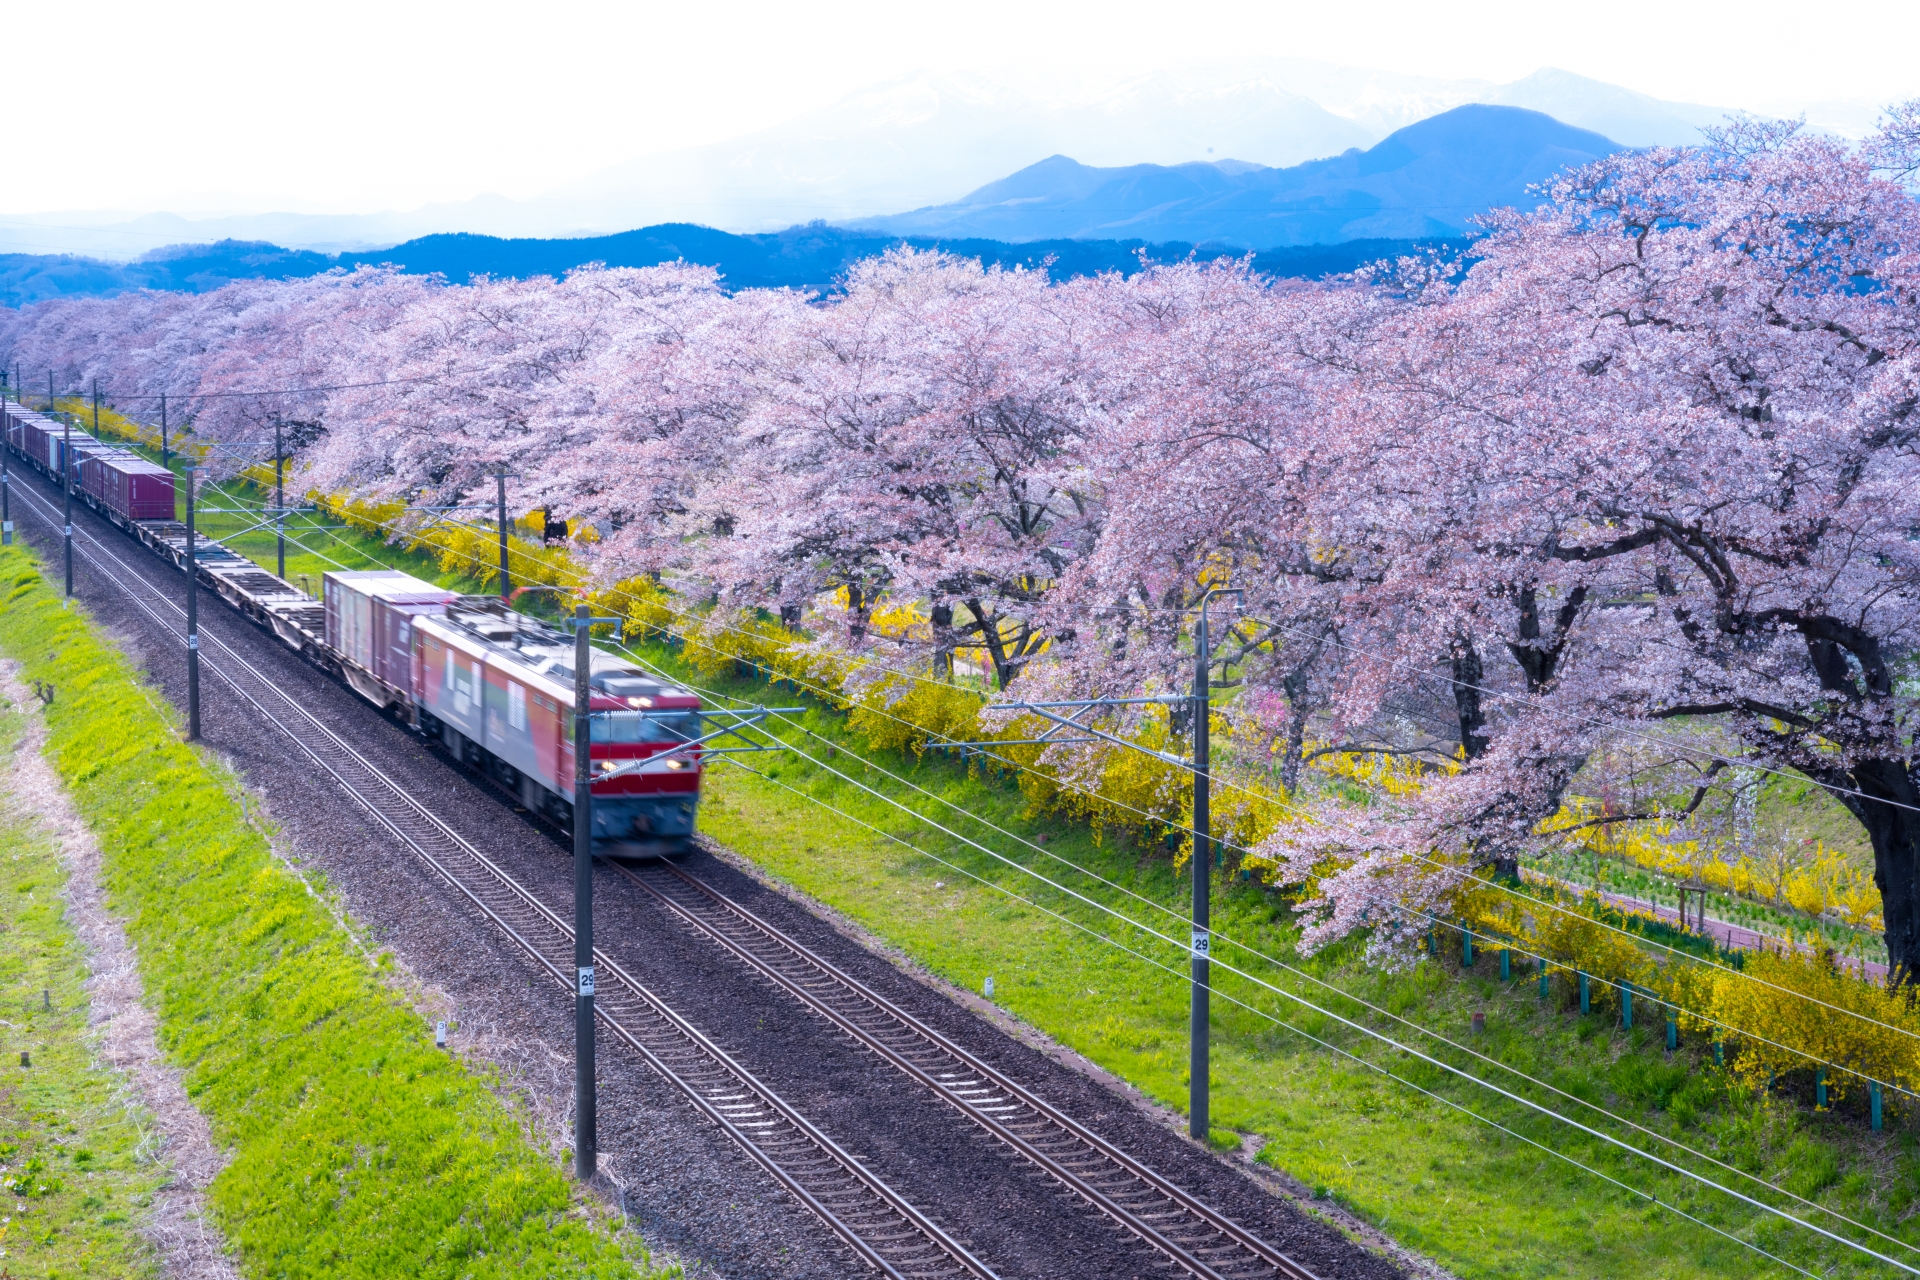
(1724, 932)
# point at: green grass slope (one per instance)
(358, 1150)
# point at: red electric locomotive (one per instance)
(495, 688)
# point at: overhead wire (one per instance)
(1528, 900)
(1285, 1025)
(1325, 1044)
(1293, 996)
(1298, 999)
(1525, 899)
(1280, 964)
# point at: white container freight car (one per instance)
(370, 616)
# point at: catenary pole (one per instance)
(506, 587)
(193, 620)
(66, 483)
(1199, 1066)
(585, 1138)
(6, 473)
(279, 502)
(163, 430)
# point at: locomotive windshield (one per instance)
(645, 726)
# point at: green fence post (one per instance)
(1466, 945)
(1586, 996)
(1673, 1030)
(1626, 1005)
(1433, 943)
(1820, 1089)
(1545, 991)
(1873, 1096)
(1506, 964)
(1719, 1054)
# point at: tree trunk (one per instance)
(1296, 743)
(1294, 686)
(943, 642)
(1894, 829)
(858, 607)
(1467, 704)
(992, 641)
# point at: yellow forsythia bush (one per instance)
(1829, 882)
(1889, 1051)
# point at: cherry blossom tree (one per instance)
(917, 437)
(1664, 448)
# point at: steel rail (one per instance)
(1199, 1238)
(878, 1224)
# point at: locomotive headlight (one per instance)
(639, 702)
(676, 763)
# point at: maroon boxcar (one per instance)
(127, 484)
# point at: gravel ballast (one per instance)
(687, 1188)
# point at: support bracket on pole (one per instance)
(1066, 716)
(746, 718)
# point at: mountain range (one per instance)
(814, 256)
(1427, 180)
(924, 140)
(1422, 184)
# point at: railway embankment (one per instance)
(99, 1167)
(345, 1143)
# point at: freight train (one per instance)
(492, 686)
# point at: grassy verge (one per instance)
(357, 1148)
(1413, 1153)
(76, 1160)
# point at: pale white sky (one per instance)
(357, 105)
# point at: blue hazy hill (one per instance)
(815, 256)
(1426, 180)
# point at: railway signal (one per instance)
(585, 1127)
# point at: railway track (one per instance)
(1187, 1232)
(875, 1222)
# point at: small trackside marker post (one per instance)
(25, 1059)
(439, 1035)
(988, 987)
